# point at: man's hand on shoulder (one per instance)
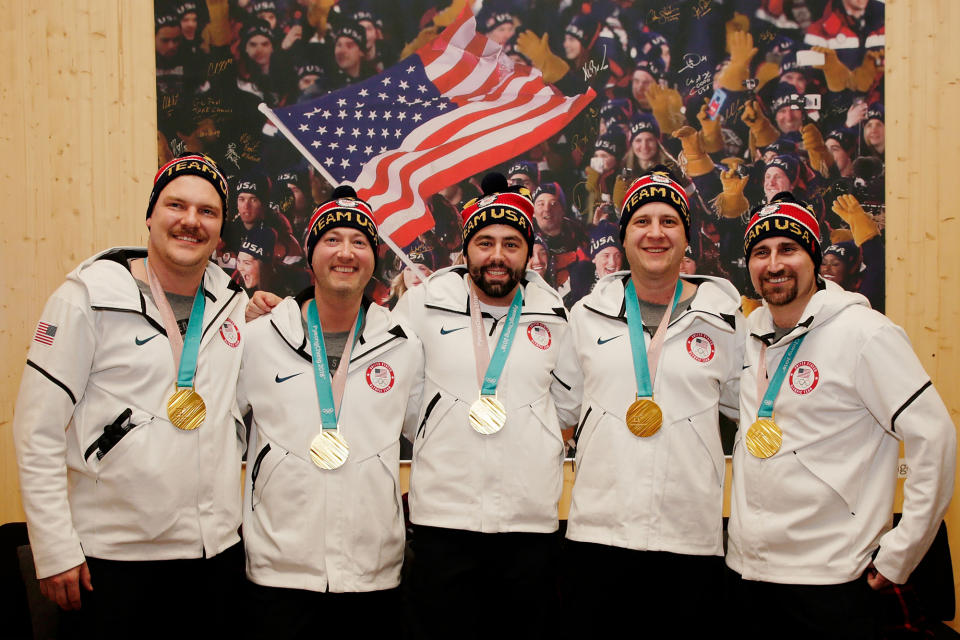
(64, 588)
(261, 303)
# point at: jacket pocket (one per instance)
(378, 532)
(266, 462)
(113, 441)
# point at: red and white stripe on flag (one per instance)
(412, 140)
(45, 333)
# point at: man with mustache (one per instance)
(830, 388)
(126, 433)
(487, 469)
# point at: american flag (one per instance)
(45, 333)
(453, 109)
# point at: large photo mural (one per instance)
(740, 99)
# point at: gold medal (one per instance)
(764, 438)
(644, 417)
(487, 415)
(329, 450)
(186, 409)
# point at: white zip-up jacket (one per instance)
(664, 492)
(815, 512)
(159, 493)
(511, 480)
(326, 530)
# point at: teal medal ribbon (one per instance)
(488, 415)
(764, 437)
(328, 449)
(191, 342)
(499, 358)
(644, 417)
(638, 347)
(321, 372)
(766, 405)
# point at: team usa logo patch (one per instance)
(701, 347)
(539, 335)
(380, 377)
(804, 377)
(230, 333)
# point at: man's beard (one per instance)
(779, 295)
(495, 289)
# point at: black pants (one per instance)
(653, 594)
(484, 585)
(280, 614)
(199, 598)
(770, 610)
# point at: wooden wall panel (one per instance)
(77, 129)
(923, 194)
(78, 141)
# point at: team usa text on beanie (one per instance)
(343, 209)
(189, 165)
(656, 186)
(786, 217)
(499, 204)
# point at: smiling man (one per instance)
(487, 468)
(328, 376)
(128, 449)
(830, 389)
(658, 353)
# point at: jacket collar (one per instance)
(826, 303)
(716, 298)
(448, 290)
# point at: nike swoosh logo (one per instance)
(284, 379)
(602, 341)
(140, 342)
(746, 366)
(444, 332)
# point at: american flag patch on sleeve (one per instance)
(45, 333)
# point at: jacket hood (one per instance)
(448, 289)
(822, 307)
(715, 296)
(107, 279)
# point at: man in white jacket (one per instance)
(127, 443)
(329, 377)
(487, 470)
(659, 355)
(830, 389)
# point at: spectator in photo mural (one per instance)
(564, 236)
(541, 261)
(874, 131)
(499, 26)
(378, 52)
(525, 174)
(688, 265)
(253, 212)
(309, 81)
(646, 73)
(578, 40)
(603, 169)
(263, 71)
(257, 270)
(850, 27)
(349, 54)
(605, 253)
(294, 200)
(424, 264)
(644, 151)
(787, 107)
(842, 145)
(189, 16)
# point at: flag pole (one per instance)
(267, 111)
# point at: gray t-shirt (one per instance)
(181, 305)
(333, 342)
(653, 313)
